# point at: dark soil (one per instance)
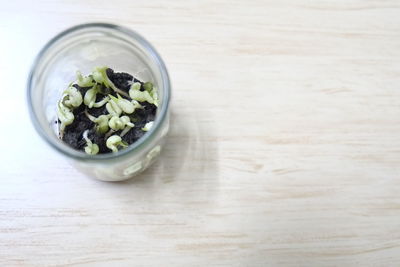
(73, 132)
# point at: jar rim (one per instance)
(147, 137)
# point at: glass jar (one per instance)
(82, 48)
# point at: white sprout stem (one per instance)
(110, 83)
(85, 136)
(115, 88)
(119, 91)
(61, 129)
(90, 117)
(125, 131)
(101, 102)
(90, 148)
(109, 133)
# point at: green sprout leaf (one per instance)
(72, 97)
(128, 125)
(101, 122)
(90, 97)
(148, 126)
(113, 108)
(135, 86)
(141, 96)
(124, 104)
(65, 115)
(127, 121)
(136, 104)
(84, 81)
(150, 94)
(115, 141)
(148, 86)
(90, 148)
(98, 75)
(117, 123)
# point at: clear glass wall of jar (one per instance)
(82, 48)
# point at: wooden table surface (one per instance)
(284, 148)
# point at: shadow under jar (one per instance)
(83, 48)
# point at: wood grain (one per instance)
(284, 148)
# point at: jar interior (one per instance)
(84, 50)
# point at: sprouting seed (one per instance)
(128, 125)
(148, 86)
(90, 148)
(101, 122)
(117, 123)
(113, 108)
(135, 86)
(115, 141)
(84, 81)
(149, 94)
(120, 108)
(141, 96)
(125, 105)
(90, 97)
(65, 115)
(72, 97)
(98, 75)
(148, 126)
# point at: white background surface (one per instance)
(284, 148)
